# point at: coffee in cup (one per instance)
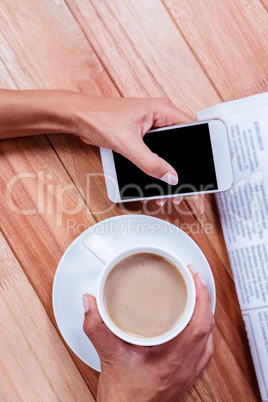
(145, 295)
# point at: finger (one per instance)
(177, 200)
(206, 356)
(192, 269)
(164, 114)
(167, 114)
(202, 321)
(138, 153)
(95, 329)
(85, 140)
(161, 202)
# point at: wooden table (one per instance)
(197, 53)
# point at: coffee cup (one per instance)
(145, 294)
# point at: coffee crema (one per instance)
(145, 295)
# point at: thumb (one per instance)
(151, 163)
(95, 329)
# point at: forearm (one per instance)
(34, 112)
(113, 123)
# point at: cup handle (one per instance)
(99, 248)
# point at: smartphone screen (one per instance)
(187, 149)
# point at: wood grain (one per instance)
(228, 39)
(34, 188)
(214, 383)
(43, 47)
(114, 48)
(144, 52)
(34, 363)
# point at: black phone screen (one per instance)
(187, 149)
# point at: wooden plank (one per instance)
(187, 97)
(34, 363)
(49, 52)
(39, 180)
(144, 52)
(229, 38)
(214, 382)
(6, 79)
(34, 191)
(204, 210)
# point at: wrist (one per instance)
(52, 111)
(111, 388)
(107, 389)
(63, 111)
(75, 113)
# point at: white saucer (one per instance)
(78, 271)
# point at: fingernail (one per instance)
(202, 278)
(170, 179)
(161, 202)
(85, 303)
(177, 200)
(192, 268)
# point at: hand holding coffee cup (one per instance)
(145, 295)
(158, 373)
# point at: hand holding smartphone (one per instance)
(198, 151)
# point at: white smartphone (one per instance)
(198, 151)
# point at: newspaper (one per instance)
(244, 217)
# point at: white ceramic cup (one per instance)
(96, 245)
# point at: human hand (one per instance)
(120, 124)
(157, 373)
